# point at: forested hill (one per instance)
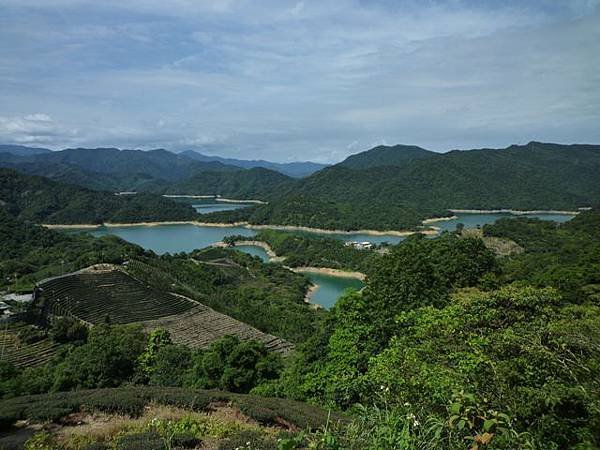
(111, 168)
(41, 200)
(385, 155)
(256, 183)
(292, 169)
(21, 150)
(532, 176)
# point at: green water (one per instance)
(185, 238)
(478, 220)
(330, 288)
(205, 208)
(173, 238)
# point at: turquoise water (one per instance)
(330, 288)
(475, 220)
(173, 238)
(254, 251)
(205, 208)
(185, 238)
(360, 237)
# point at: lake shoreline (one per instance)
(515, 212)
(244, 225)
(216, 198)
(329, 271)
(326, 231)
(310, 292)
(430, 231)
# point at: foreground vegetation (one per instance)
(312, 250)
(448, 346)
(165, 418)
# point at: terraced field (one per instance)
(93, 297)
(202, 325)
(23, 354)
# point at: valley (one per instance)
(160, 290)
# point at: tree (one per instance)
(108, 359)
(233, 365)
(169, 365)
(157, 340)
(68, 330)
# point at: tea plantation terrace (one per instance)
(24, 354)
(105, 293)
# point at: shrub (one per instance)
(68, 330)
(30, 335)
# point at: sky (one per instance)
(298, 80)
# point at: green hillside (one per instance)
(385, 155)
(41, 200)
(533, 176)
(255, 183)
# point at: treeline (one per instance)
(399, 194)
(256, 184)
(30, 253)
(317, 251)
(112, 356)
(565, 256)
(450, 347)
(40, 200)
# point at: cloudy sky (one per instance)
(298, 80)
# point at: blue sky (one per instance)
(298, 80)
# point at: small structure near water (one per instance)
(366, 245)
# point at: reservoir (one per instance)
(187, 237)
(205, 208)
(477, 220)
(330, 288)
(173, 238)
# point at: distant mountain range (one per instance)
(159, 164)
(387, 187)
(40, 200)
(292, 169)
(21, 150)
(385, 155)
(397, 187)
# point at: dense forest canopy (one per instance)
(532, 177)
(385, 188)
(40, 200)
(447, 346)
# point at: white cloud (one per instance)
(280, 79)
(35, 128)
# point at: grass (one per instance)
(132, 401)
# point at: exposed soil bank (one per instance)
(439, 219)
(215, 197)
(513, 211)
(328, 271)
(245, 225)
(325, 231)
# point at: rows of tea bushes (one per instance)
(200, 326)
(22, 352)
(113, 295)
